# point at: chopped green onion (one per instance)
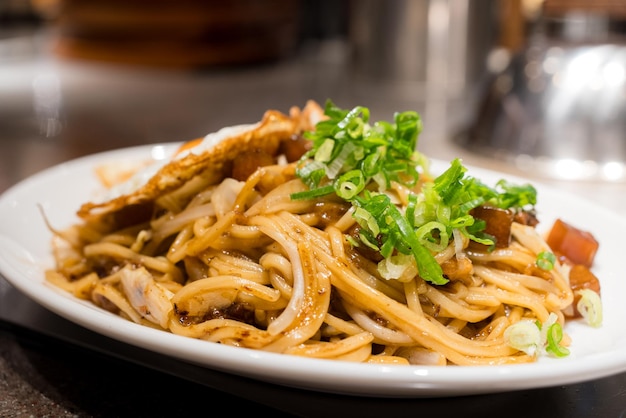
(545, 260)
(335, 166)
(359, 161)
(433, 236)
(313, 193)
(399, 267)
(554, 337)
(365, 218)
(325, 151)
(525, 336)
(551, 336)
(590, 307)
(350, 184)
(395, 228)
(513, 195)
(535, 338)
(313, 173)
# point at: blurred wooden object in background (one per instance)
(174, 34)
(613, 8)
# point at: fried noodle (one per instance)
(239, 262)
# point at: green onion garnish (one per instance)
(535, 338)
(358, 162)
(525, 336)
(545, 260)
(553, 343)
(590, 307)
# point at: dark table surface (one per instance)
(50, 367)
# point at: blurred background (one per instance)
(536, 87)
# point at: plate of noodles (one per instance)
(260, 268)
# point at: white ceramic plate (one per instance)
(595, 353)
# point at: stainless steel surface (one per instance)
(559, 109)
(419, 46)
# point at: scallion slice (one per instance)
(359, 161)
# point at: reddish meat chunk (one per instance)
(580, 277)
(294, 147)
(576, 245)
(246, 163)
(497, 223)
